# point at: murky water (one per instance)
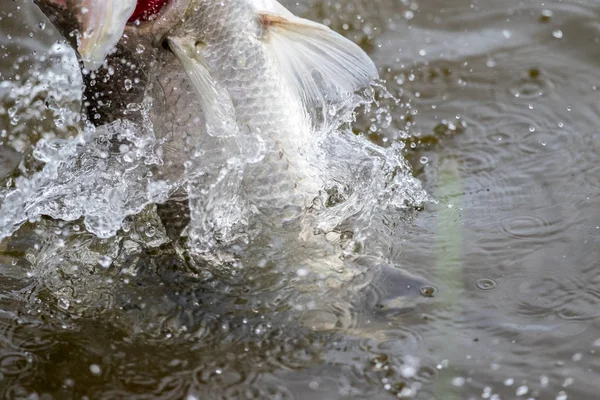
(496, 290)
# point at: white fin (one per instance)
(216, 104)
(103, 23)
(303, 48)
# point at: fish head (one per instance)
(118, 42)
(95, 28)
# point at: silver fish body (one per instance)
(240, 87)
(271, 70)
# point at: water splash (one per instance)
(86, 177)
(107, 175)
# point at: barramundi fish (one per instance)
(258, 76)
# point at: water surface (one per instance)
(496, 291)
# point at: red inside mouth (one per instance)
(147, 9)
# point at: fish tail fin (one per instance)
(316, 61)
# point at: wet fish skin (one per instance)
(259, 73)
(274, 69)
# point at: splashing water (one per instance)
(105, 174)
(244, 212)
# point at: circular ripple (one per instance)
(225, 377)
(525, 227)
(486, 284)
(570, 298)
(14, 364)
(320, 320)
(404, 336)
(34, 338)
(427, 374)
(530, 87)
(428, 291)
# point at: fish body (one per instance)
(261, 79)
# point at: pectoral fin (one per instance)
(216, 104)
(314, 59)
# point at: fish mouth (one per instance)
(160, 24)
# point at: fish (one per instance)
(259, 78)
(240, 91)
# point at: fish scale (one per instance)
(263, 102)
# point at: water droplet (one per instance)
(64, 303)
(150, 231)
(95, 369)
(562, 395)
(104, 261)
(531, 128)
(522, 390)
(546, 15)
(458, 381)
(568, 382)
(486, 284)
(128, 84)
(557, 34)
(423, 160)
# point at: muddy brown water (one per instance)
(505, 124)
